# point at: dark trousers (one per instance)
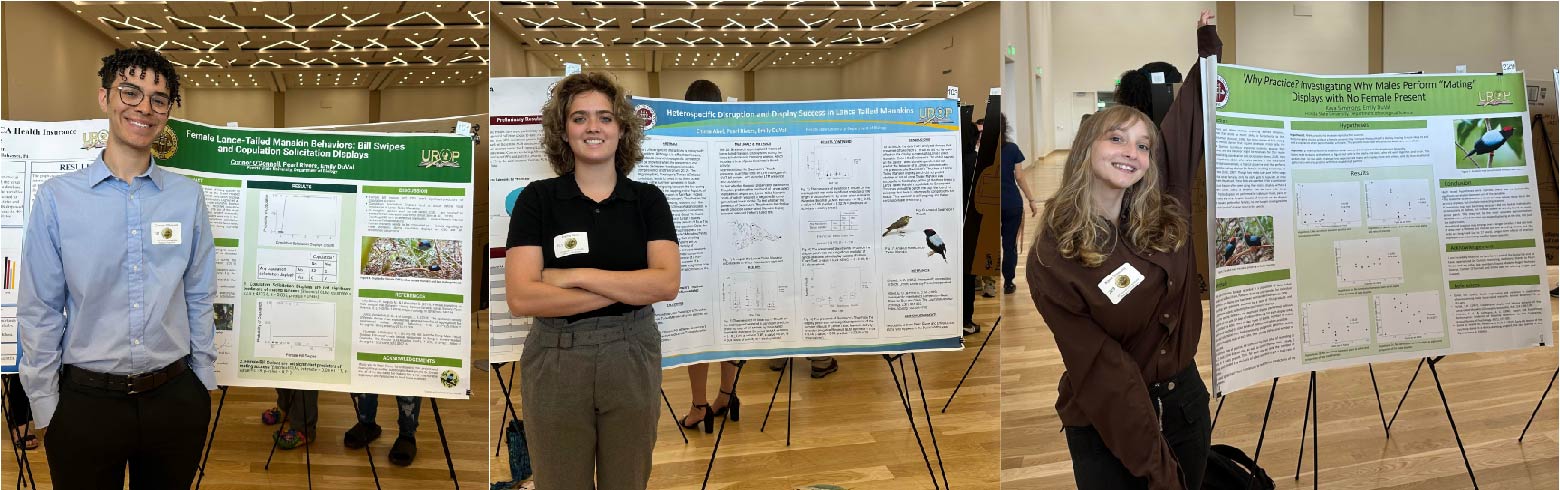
(408, 409)
(302, 408)
(19, 410)
(1012, 221)
(1186, 428)
(95, 433)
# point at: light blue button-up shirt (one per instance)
(100, 292)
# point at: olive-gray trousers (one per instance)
(589, 392)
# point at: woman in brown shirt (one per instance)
(1112, 271)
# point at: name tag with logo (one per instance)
(1123, 280)
(570, 243)
(167, 233)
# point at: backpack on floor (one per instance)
(1230, 469)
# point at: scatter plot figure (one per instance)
(1397, 202)
(1335, 323)
(1327, 206)
(1372, 262)
(1409, 316)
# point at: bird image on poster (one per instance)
(935, 243)
(898, 226)
(1489, 143)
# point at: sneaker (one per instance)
(1009, 288)
(290, 439)
(834, 365)
(404, 451)
(360, 435)
(971, 328)
(271, 416)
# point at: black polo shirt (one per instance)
(555, 215)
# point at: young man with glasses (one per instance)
(115, 303)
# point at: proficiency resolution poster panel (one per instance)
(33, 152)
(1370, 218)
(342, 257)
(515, 160)
(808, 228)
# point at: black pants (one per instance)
(1012, 222)
(95, 433)
(19, 410)
(1186, 428)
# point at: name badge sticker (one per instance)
(1118, 283)
(570, 243)
(167, 233)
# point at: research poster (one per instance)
(30, 153)
(1369, 218)
(342, 257)
(516, 159)
(474, 126)
(809, 228)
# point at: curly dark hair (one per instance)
(1172, 75)
(555, 118)
(136, 62)
(1134, 91)
(702, 91)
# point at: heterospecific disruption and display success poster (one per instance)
(1370, 218)
(342, 257)
(30, 153)
(806, 228)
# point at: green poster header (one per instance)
(408, 359)
(1250, 279)
(1491, 245)
(1356, 125)
(1494, 282)
(225, 242)
(1253, 91)
(411, 296)
(1475, 182)
(215, 182)
(315, 154)
(416, 191)
(1246, 121)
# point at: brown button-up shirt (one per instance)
(1113, 351)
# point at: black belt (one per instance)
(131, 384)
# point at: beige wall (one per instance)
(674, 83)
(249, 108)
(306, 107)
(1088, 57)
(51, 62)
(1332, 40)
(508, 59)
(1437, 36)
(405, 104)
(967, 46)
(798, 84)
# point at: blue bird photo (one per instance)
(935, 243)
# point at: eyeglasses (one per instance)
(132, 95)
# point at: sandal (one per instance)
(708, 419)
(24, 440)
(733, 407)
(271, 416)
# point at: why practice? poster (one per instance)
(1369, 218)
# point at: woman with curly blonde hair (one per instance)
(1113, 275)
(589, 252)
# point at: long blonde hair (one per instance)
(1154, 219)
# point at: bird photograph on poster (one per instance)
(1244, 240)
(411, 257)
(1489, 143)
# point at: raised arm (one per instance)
(1183, 126)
